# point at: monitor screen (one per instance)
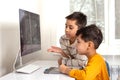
(30, 39)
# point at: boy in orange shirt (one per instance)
(88, 40)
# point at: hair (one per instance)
(81, 19)
(91, 33)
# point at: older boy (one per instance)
(88, 40)
(74, 21)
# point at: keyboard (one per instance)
(28, 68)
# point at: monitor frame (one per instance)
(30, 39)
(27, 47)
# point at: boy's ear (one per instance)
(90, 44)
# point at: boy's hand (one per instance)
(64, 69)
(55, 49)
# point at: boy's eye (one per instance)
(65, 26)
(70, 27)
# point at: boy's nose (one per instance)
(67, 29)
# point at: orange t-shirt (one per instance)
(96, 69)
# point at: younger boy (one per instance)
(88, 40)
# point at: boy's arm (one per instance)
(58, 50)
(64, 54)
(63, 44)
(89, 72)
(75, 73)
(64, 69)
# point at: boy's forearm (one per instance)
(64, 55)
(67, 71)
(64, 69)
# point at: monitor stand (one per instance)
(19, 67)
(18, 61)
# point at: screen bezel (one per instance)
(30, 39)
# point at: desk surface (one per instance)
(38, 75)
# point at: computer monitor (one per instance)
(30, 39)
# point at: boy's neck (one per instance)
(72, 40)
(91, 54)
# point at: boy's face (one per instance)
(71, 28)
(81, 46)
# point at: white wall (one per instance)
(52, 16)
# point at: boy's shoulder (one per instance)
(98, 57)
(63, 37)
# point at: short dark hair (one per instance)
(91, 33)
(81, 19)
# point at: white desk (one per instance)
(38, 75)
